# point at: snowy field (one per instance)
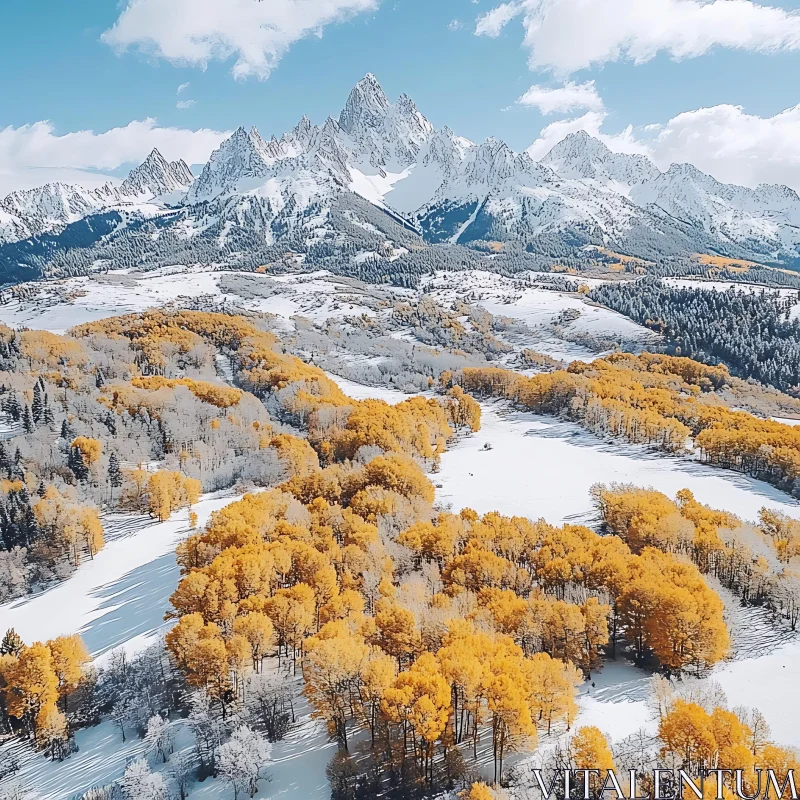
(58, 305)
(618, 703)
(542, 467)
(72, 301)
(119, 597)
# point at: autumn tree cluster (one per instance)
(525, 574)
(759, 563)
(36, 682)
(129, 412)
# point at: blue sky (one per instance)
(58, 66)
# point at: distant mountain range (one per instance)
(379, 180)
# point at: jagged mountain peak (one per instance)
(366, 106)
(241, 155)
(448, 186)
(156, 176)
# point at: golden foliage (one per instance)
(211, 393)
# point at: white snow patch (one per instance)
(541, 467)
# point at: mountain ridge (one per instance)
(284, 192)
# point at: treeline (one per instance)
(751, 332)
(662, 401)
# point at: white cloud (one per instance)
(563, 99)
(455, 25)
(568, 35)
(183, 87)
(724, 141)
(198, 31)
(184, 104)
(492, 22)
(35, 154)
(733, 146)
(591, 122)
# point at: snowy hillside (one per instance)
(258, 195)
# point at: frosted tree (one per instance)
(140, 783)
(241, 760)
(181, 773)
(159, 738)
(208, 730)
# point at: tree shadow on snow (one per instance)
(134, 605)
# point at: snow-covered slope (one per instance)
(583, 157)
(768, 215)
(284, 191)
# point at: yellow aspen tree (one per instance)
(69, 657)
(32, 686)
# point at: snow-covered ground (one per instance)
(119, 597)
(618, 702)
(542, 467)
(61, 304)
(358, 391)
(319, 296)
(787, 420)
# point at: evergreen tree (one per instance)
(77, 464)
(49, 418)
(27, 420)
(41, 490)
(12, 643)
(67, 431)
(114, 472)
(5, 460)
(37, 407)
(12, 406)
(99, 380)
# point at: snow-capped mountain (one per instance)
(29, 212)
(313, 188)
(583, 157)
(156, 177)
(768, 215)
